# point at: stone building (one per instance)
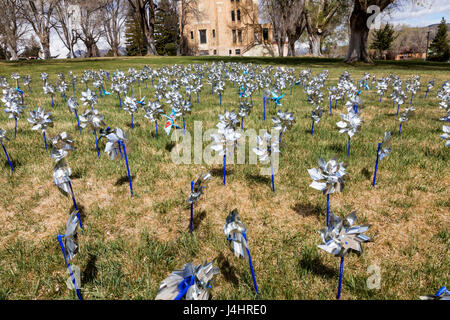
(226, 28)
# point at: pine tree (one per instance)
(133, 35)
(166, 28)
(383, 39)
(439, 48)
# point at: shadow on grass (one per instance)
(15, 163)
(77, 174)
(257, 178)
(227, 270)
(170, 146)
(366, 173)
(218, 172)
(123, 180)
(315, 266)
(307, 210)
(198, 218)
(90, 272)
(134, 125)
(335, 147)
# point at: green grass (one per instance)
(131, 244)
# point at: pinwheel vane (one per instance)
(266, 147)
(446, 135)
(328, 177)
(192, 282)
(341, 237)
(350, 123)
(235, 231)
(94, 121)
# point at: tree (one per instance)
(439, 48)
(318, 15)
(66, 23)
(276, 11)
(187, 10)
(12, 27)
(38, 13)
(383, 39)
(166, 26)
(91, 25)
(145, 10)
(134, 40)
(296, 24)
(114, 16)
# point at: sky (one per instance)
(431, 12)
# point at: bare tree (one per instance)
(38, 14)
(276, 12)
(318, 15)
(145, 10)
(12, 27)
(66, 23)
(91, 25)
(295, 24)
(114, 16)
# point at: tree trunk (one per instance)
(314, 44)
(12, 52)
(358, 46)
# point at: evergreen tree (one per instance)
(439, 48)
(166, 28)
(383, 39)
(134, 42)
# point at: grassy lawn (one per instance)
(130, 244)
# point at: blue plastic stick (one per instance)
(426, 93)
(192, 208)
(312, 128)
(349, 139)
(156, 125)
(75, 204)
(264, 112)
(132, 121)
(242, 123)
(120, 100)
(376, 165)
(7, 157)
(335, 104)
(78, 121)
(184, 125)
(53, 105)
(340, 279)
(15, 127)
(398, 108)
(400, 130)
(96, 143)
(128, 169)
(197, 97)
(251, 266)
(328, 208)
(220, 98)
(45, 140)
(273, 181)
(412, 96)
(331, 112)
(224, 169)
(59, 237)
(393, 105)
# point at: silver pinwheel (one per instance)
(225, 141)
(40, 121)
(196, 192)
(267, 146)
(350, 123)
(153, 112)
(404, 117)
(235, 231)
(384, 148)
(131, 105)
(283, 121)
(72, 104)
(115, 146)
(192, 282)
(94, 121)
(341, 237)
(328, 178)
(89, 98)
(69, 246)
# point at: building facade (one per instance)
(225, 27)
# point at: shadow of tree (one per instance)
(257, 178)
(123, 180)
(315, 266)
(198, 218)
(366, 173)
(90, 271)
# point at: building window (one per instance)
(192, 35)
(266, 34)
(240, 36)
(238, 15)
(238, 51)
(214, 33)
(215, 52)
(234, 35)
(232, 15)
(231, 52)
(202, 36)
